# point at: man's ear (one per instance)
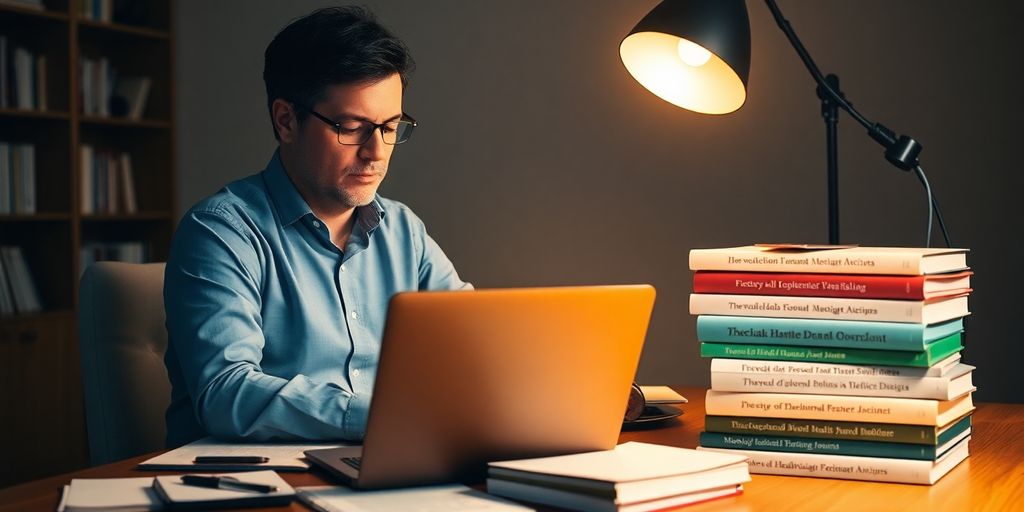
(284, 119)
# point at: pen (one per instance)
(225, 482)
(230, 459)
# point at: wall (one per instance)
(539, 161)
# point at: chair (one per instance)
(122, 340)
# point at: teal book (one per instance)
(932, 354)
(823, 333)
(958, 431)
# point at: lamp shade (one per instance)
(694, 54)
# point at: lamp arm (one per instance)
(901, 151)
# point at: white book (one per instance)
(630, 473)
(23, 78)
(869, 409)
(590, 503)
(101, 87)
(957, 383)
(939, 369)
(437, 498)
(873, 310)
(848, 467)
(121, 494)
(283, 456)
(26, 296)
(907, 261)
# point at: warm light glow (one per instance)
(693, 54)
(654, 59)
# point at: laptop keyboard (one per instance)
(352, 461)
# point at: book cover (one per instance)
(850, 467)
(931, 355)
(588, 503)
(871, 310)
(830, 446)
(800, 368)
(909, 411)
(854, 286)
(822, 332)
(947, 387)
(850, 430)
(849, 260)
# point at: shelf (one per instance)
(121, 217)
(35, 217)
(34, 114)
(46, 14)
(122, 29)
(125, 122)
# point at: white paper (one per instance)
(440, 498)
(283, 456)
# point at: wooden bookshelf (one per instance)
(40, 383)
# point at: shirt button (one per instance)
(355, 315)
(355, 372)
(316, 223)
(343, 268)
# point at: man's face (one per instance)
(333, 176)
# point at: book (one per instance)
(854, 431)
(850, 467)
(823, 333)
(438, 497)
(6, 295)
(910, 411)
(933, 353)
(6, 179)
(831, 446)
(26, 297)
(102, 494)
(632, 472)
(589, 503)
(946, 387)
(176, 495)
(800, 368)
(875, 310)
(283, 456)
(855, 286)
(847, 260)
(135, 91)
(127, 182)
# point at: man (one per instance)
(277, 286)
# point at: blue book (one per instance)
(952, 435)
(823, 333)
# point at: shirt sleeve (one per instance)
(436, 271)
(212, 299)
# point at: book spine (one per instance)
(823, 407)
(845, 262)
(873, 310)
(822, 446)
(813, 333)
(937, 351)
(934, 388)
(853, 431)
(802, 369)
(846, 467)
(810, 285)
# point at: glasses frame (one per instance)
(406, 118)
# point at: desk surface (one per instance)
(992, 478)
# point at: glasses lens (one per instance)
(403, 132)
(354, 132)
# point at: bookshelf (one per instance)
(43, 432)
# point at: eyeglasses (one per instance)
(354, 132)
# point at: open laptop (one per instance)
(468, 377)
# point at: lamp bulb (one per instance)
(693, 54)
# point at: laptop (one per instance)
(468, 377)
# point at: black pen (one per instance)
(230, 459)
(226, 482)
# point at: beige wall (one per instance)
(539, 161)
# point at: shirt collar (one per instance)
(292, 207)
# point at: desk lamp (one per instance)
(695, 54)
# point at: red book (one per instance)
(856, 286)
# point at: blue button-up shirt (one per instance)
(274, 333)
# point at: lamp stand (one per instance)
(830, 112)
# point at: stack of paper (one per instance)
(633, 477)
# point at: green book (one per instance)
(932, 354)
(958, 431)
(849, 430)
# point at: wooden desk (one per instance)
(992, 478)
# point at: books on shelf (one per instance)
(134, 92)
(107, 181)
(17, 178)
(631, 477)
(836, 362)
(27, 4)
(16, 283)
(22, 77)
(853, 260)
(128, 252)
(107, 93)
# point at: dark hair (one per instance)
(331, 46)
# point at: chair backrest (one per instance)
(122, 340)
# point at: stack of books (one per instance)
(836, 362)
(633, 477)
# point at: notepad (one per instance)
(179, 495)
(438, 498)
(120, 494)
(283, 456)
